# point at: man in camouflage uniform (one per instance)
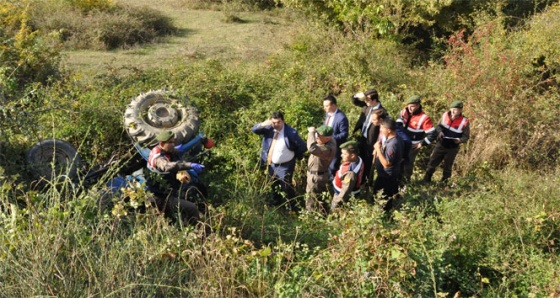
(322, 148)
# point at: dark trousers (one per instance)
(408, 168)
(282, 188)
(389, 186)
(176, 208)
(447, 155)
(168, 200)
(366, 153)
(335, 163)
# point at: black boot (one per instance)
(428, 176)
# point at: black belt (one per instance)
(282, 163)
(317, 172)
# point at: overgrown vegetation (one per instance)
(494, 231)
(99, 25)
(226, 4)
(424, 24)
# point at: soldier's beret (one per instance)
(165, 135)
(325, 130)
(456, 104)
(350, 146)
(413, 99)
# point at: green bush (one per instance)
(116, 31)
(419, 23)
(90, 5)
(537, 42)
(242, 5)
(26, 55)
(100, 25)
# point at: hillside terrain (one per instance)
(493, 230)
(202, 34)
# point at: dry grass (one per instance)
(204, 34)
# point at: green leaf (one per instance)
(265, 252)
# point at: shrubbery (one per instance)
(100, 25)
(505, 96)
(420, 23)
(26, 56)
(220, 4)
(485, 245)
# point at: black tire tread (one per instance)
(144, 133)
(39, 159)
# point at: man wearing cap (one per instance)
(419, 127)
(336, 119)
(368, 133)
(452, 130)
(348, 178)
(388, 156)
(281, 146)
(164, 160)
(322, 149)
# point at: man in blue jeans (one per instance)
(281, 146)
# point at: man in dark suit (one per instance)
(281, 146)
(368, 133)
(336, 119)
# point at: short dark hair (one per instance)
(381, 114)
(330, 98)
(277, 115)
(389, 123)
(372, 93)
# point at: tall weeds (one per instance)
(99, 25)
(503, 99)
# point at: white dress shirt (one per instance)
(281, 153)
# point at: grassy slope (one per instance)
(203, 35)
(468, 216)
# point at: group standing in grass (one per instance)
(339, 169)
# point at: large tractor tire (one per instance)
(154, 111)
(53, 158)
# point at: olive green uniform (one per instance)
(318, 170)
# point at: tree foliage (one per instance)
(416, 21)
(541, 39)
(26, 55)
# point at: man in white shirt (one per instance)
(281, 146)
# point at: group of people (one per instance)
(385, 145)
(389, 146)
